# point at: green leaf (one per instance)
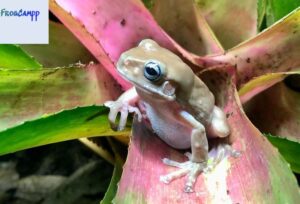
(70, 124)
(63, 48)
(113, 186)
(276, 9)
(148, 3)
(29, 94)
(261, 12)
(12, 56)
(290, 150)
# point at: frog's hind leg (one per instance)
(218, 126)
(197, 159)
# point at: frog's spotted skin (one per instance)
(177, 103)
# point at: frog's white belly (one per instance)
(168, 125)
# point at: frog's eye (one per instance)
(152, 71)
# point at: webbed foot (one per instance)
(192, 169)
(188, 168)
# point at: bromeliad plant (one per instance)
(220, 39)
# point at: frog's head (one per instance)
(156, 70)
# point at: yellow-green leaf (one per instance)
(80, 122)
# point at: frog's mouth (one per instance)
(166, 90)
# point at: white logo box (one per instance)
(24, 22)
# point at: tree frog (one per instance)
(178, 105)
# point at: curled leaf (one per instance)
(259, 84)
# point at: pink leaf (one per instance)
(259, 84)
(232, 21)
(282, 117)
(274, 50)
(108, 28)
(183, 21)
(255, 177)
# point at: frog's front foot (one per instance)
(189, 168)
(123, 108)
